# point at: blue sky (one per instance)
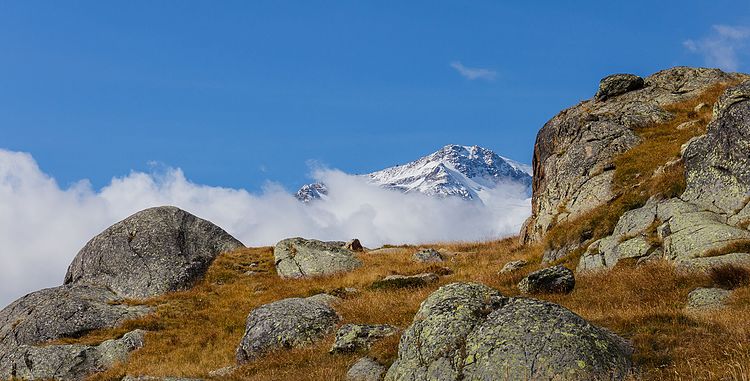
(238, 93)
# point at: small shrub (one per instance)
(730, 276)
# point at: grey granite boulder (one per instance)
(717, 165)
(154, 251)
(702, 299)
(299, 257)
(468, 331)
(513, 266)
(356, 337)
(405, 281)
(555, 279)
(286, 323)
(68, 362)
(366, 369)
(60, 312)
(428, 255)
(617, 84)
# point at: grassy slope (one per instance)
(196, 331)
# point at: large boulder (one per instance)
(717, 165)
(616, 84)
(468, 331)
(68, 362)
(574, 152)
(556, 279)
(60, 312)
(154, 251)
(299, 257)
(285, 323)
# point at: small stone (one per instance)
(552, 280)
(513, 266)
(366, 369)
(356, 337)
(701, 107)
(405, 281)
(300, 258)
(428, 255)
(222, 372)
(702, 299)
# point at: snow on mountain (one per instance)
(454, 170)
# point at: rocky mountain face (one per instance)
(453, 171)
(574, 151)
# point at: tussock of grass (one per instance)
(730, 276)
(739, 246)
(651, 169)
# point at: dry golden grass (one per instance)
(196, 331)
(740, 246)
(651, 169)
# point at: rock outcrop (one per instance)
(575, 150)
(152, 252)
(551, 280)
(68, 362)
(700, 228)
(60, 312)
(299, 257)
(356, 337)
(468, 331)
(286, 323)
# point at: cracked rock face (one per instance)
(59, 312)
(286, 323)
(575, 150)
(468, 331)
(152, 252)
(68, 362)
(299, 257)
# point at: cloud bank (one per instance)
(722, 46)
(472, 73)
(42, 226)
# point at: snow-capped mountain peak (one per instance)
(454, 170)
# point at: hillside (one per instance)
(641, 193)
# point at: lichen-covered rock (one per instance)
(617, 84)
(154, 251)
(702, 299)
(555, 279)
(68, 362)
(428, 255)
(467, 331)
(64, 311)
(574, 152)
(366, 369)
(707, 263)
(717, 165)
(286, 323)
(356, 337)
(405, 281)
(299, 257)
(513, 266)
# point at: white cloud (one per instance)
(473, 73)
(723, 47)
(42, 226)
